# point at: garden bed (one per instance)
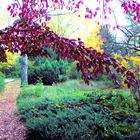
(65, 112)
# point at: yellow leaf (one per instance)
(95, 40)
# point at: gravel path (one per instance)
(10, 127)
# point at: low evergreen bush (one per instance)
(99, 116)
(51, 70)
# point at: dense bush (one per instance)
(11, 67)
(2, 81)
(98, 116)
(71, 71)
(51, 70)
(15, 71)
(108, 81)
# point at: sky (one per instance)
(6, 20)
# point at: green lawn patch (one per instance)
(2, 81)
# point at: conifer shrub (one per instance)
(51, 70)
(99, 116)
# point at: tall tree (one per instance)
(95, 39)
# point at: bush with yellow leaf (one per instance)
(95, 39)
(8, 67)
(132, 63)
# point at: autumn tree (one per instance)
(28, 36)
(5, 67)
(95, 39)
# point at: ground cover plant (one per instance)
(78, 114)
(2, 81)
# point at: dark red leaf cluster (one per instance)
(38, 9)
(32, 39)
(28, 37)
(33, 10)
(133, 7)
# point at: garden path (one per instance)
(10, 127)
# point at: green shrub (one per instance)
(105, 78)
(2, 81)
(72, 72)
(11, 67)
(108, 81)
(98, 115)
(51, 70)
(15, 72)
(31, 92)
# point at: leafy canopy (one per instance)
(28, 36)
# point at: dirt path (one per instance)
(10, 127)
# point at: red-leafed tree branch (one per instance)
(28, 37)
(33, 40)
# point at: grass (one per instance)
(78, 89)
(72, 89)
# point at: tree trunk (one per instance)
(24, 70)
